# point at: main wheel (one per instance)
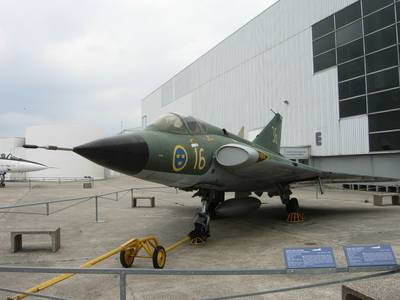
(126, 258)
(293, 205)
(159, 257)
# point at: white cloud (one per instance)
(92, 61)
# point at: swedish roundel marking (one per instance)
(180, 158)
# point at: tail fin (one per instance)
(241, 132)
(270, 136)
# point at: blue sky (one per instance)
(91, 62)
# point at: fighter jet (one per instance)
(189, 154)
(12, 164)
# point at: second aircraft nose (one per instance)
(126, 153)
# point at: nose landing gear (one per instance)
(210, 200)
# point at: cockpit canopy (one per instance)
(178, 124)
(8, 156)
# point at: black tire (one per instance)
(159, 257)
(293, 205)
(126, 259)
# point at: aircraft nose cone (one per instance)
(127, 153)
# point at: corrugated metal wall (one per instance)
(267, 61)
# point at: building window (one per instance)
(362, 40)
(383, 80)
(384, 121)
(350, 51)
(352, 88)
(324, 61)
(384, 100)
(370, 6)
(387, 141)
(323, 27)
(351, 69)
(380, 39)
(379, 20)
(353, 107)
(349, 33)
(348, 15)
(382, 60)
(324, 44)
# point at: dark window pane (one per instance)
(398, 28)
(382, 60)
(352, 88)
(384, 121)
(351, 69)
(324, 61)
(398, 10)
(322, 27)
(349, 33)
(384, 101)
(384, 141)
(347, 15)
(350, 51)
(380, 39)
(379, 20)
(383, 80)
(352, 107)
(372, 5)
(324, 44)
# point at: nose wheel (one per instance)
(201, 230)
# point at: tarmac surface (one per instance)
(334, 219)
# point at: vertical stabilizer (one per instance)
(241, 132)
(270, 136)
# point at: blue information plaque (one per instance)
(369, 255)
(308, 258)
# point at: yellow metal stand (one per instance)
(128, 251)
(295, 217)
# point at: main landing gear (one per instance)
(292, 208)
(209, 201)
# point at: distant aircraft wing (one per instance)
(249, 162)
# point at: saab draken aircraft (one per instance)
(12, 164)
(192, 155)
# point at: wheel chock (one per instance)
(197, 241)
(295, 217)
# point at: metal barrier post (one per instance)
(96, 208)
(30, 184)
(116, 196)
(122, 285)
(47, 208)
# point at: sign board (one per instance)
(306, 258)
(369, 255)
(296, 152)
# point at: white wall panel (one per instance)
(354, 135)
(62, 163)
(264, 63)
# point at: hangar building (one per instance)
(330, 67)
